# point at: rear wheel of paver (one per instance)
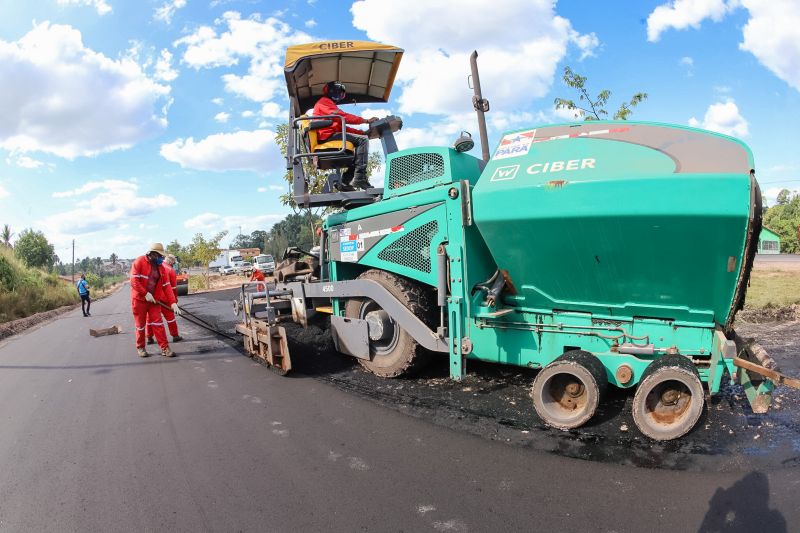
(566, 392)
(393, 352)
(669, 400)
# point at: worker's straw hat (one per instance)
(157, 247)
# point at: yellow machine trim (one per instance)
(303, 51)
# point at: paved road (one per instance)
(777, 258)
(95, 439)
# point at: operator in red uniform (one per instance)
(150, 285)
(257, 275)
(356, 174)
(168, 314)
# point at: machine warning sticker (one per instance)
(515, 144)
(349, 250)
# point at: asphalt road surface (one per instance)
(95, 439)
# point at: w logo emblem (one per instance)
(505, 173)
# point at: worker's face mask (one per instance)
(157, 260)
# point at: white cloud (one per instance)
(772, 194)
(242, 150)
(217, 101)
(682, 14)
(116, 202)
(71, 101)
(262, 189)
(272, 110)
(723, 117)
(433, 77)
(247, 114)
(3, 192)
(261, 43)
(311, 23)
(167, 11)
(164, 70)
(277, 187)
(212, 222)
(771, 34)
(101, 6)
(222, 116)
(586, 43)
(111, 185)
(23, 161)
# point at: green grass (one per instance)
(25, 291)
(773, 288)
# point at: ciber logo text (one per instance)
(558, 166)
(336, 45)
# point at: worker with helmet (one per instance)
(150, 289)
(334, 93)
(168, 314)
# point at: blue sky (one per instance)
(126, 122)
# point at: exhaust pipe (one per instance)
(480, 104)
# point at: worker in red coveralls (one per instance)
(150, 285)
(168, 314)
(356, 174)
(257, 275)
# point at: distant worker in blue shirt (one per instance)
(83, 290)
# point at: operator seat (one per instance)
(325, 160)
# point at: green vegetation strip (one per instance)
(773, 288)
(25, 290)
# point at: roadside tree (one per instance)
(34, 250)
(589, 108)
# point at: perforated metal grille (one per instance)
(412, 250)
(414, 168)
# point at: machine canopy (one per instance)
(367, 69)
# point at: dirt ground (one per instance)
(493, 402)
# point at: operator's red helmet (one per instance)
(335, 91)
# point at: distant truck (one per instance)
(231, 258)
(265, 263)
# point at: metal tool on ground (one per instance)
(113, 330)
(604, 253)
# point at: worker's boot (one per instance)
(361, 182)
(142, 352)
(151, 340)
(177, 338)
(166, 352)
(346, 187)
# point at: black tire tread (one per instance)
(419, 301)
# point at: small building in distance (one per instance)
(769, 242)
(249, 253)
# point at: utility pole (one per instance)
(73, 261)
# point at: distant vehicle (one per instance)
(245, 268)
(265, 263)
(226, 270)
(231, 258)
(182, 278)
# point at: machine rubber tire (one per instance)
(402, 354)
(664, 377)
(555, 404)
(183, 289)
